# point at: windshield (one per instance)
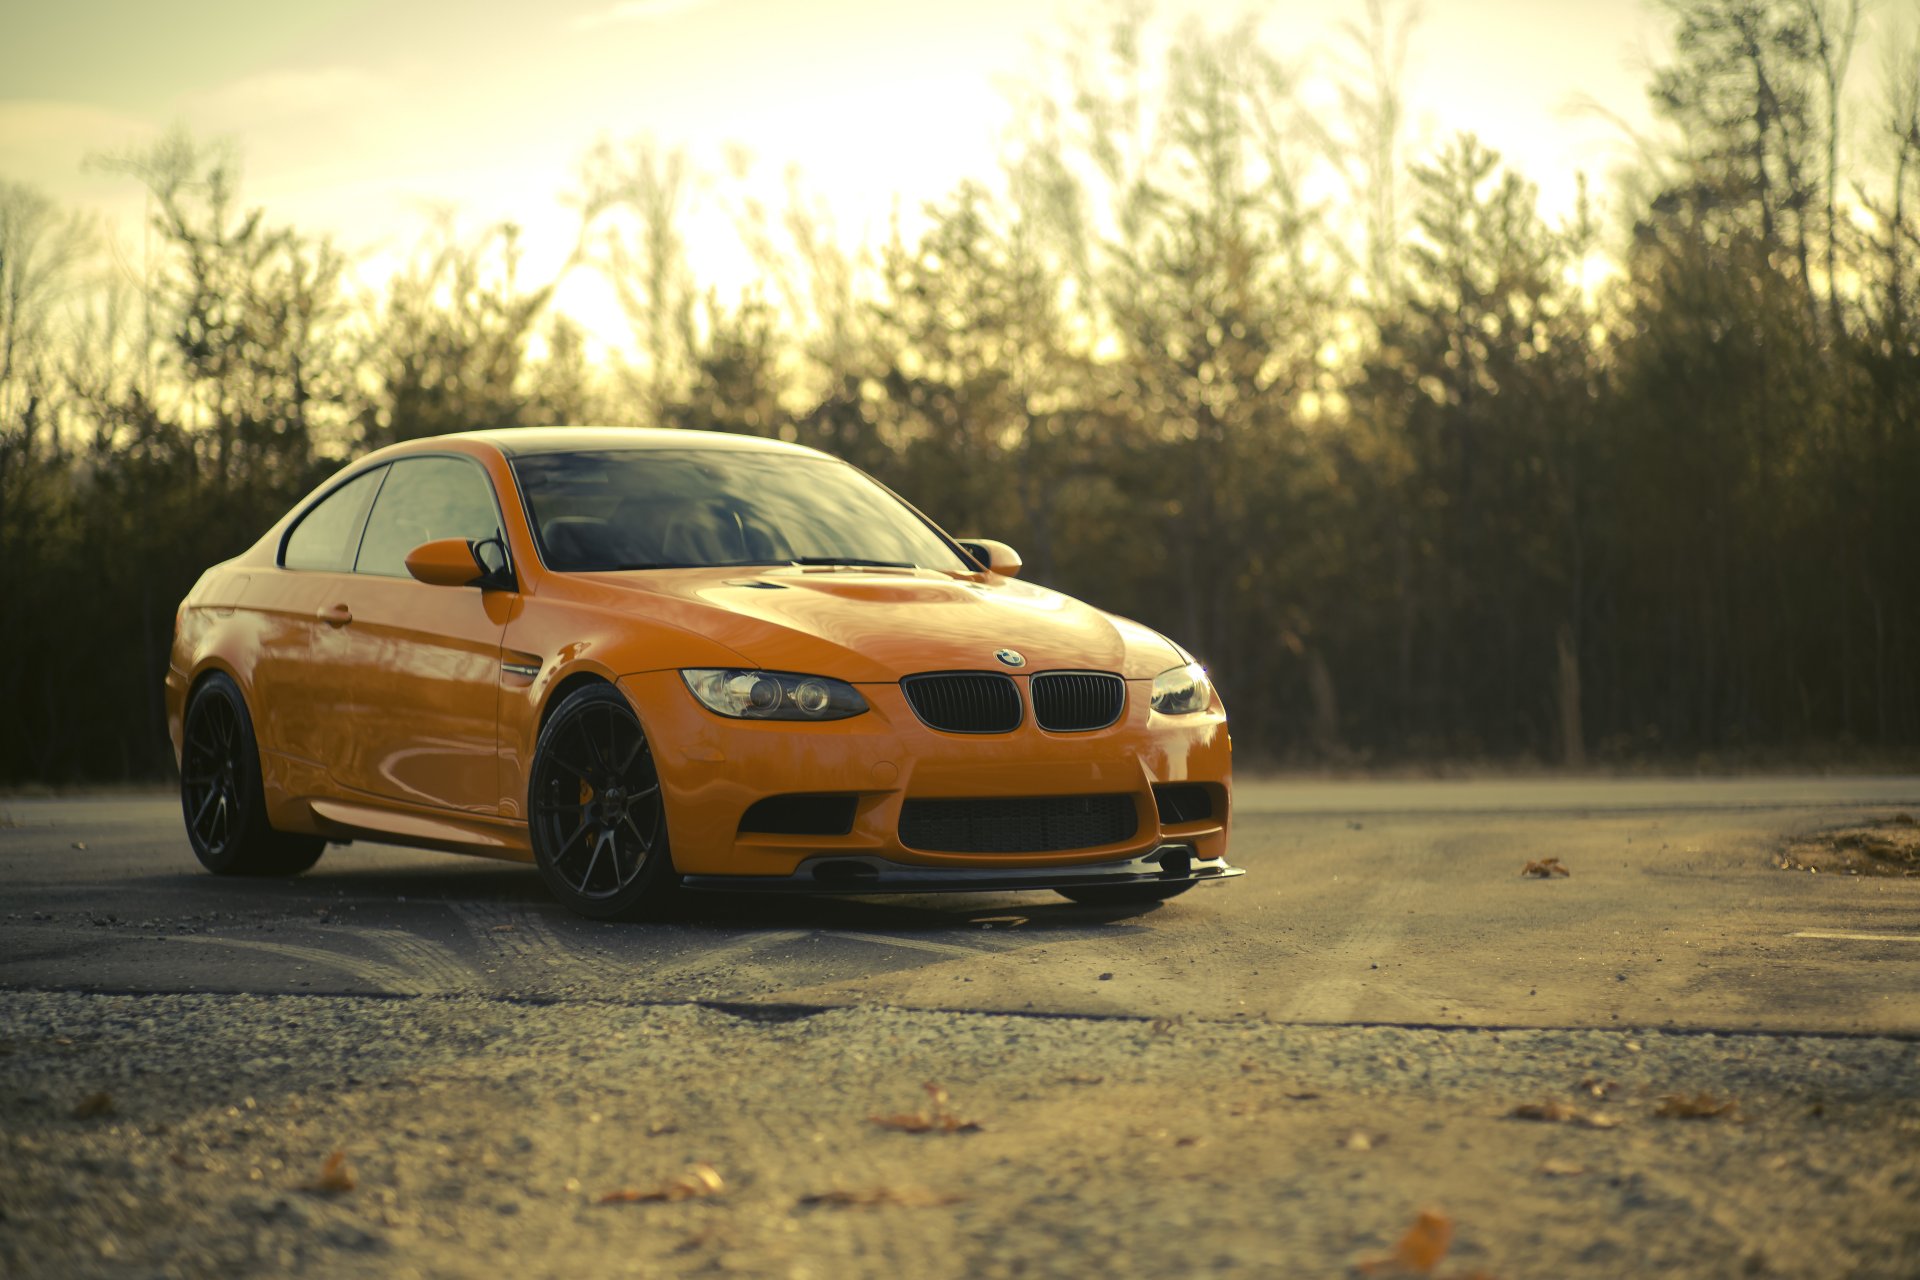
(673, 509)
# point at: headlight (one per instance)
(1182, 690)
(772, 695)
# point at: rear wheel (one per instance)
(594, 809)
(1125, 895)
(221, 796)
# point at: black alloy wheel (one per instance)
(221, 796)
(595, 812)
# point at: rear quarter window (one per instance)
(328, 535)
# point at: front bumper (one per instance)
(1169, 864)
(712, 770)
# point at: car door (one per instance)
(298, 685)
(422, 663)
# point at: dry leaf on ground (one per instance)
(1599, 1088)
(1544, 868)
(867, 1197)
(94, 1104)
(1420, 1250)
(1553, 1168)
(335, 1176)
(697, 1183)
(1699, 1106)
(936, 1117)
(1563, 1113)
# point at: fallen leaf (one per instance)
(1700, 1106)
(1420, 1250)
(905, 1197)
(1563, 1113)
(1544, 868)
(1599, 1088)
(94, 1104)
(937, 1117)
(1359, 1140)
(335, 1176)
(1561, 1168)
(80, 844)
(697, 1183)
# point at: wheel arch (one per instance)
(210, 666)
(578, 678)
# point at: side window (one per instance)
(329, 533)
(425, 499)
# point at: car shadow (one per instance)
(469, 882)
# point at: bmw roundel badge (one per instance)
(1010, 656)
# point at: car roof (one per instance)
(520, 441)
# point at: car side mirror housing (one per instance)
(995, 557)
(447, 562)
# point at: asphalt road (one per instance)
(1364, 902)
(1268, 1077)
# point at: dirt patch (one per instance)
(1890, 847)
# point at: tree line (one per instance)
(1420, 472)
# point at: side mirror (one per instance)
(995, 557)
(446, 562)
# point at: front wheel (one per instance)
(595, 812)
(1125, 895)
(221, 796)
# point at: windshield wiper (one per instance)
(852, 560)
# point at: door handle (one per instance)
(337, 615)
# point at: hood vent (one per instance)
(1077, 701)
(964, 701)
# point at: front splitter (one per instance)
(1168, 864)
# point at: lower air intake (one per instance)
(800, 815)
(1182, 802)
(1025, 824)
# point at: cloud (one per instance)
(272, 95)
(628, 11)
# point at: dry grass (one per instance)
(1887, 848)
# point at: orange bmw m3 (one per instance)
(654, 661)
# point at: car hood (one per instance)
(875, 626)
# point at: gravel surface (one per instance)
(479, 1136)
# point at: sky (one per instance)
(361, 119)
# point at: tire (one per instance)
(595, 812)
(1125, 895)
(221, 797)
